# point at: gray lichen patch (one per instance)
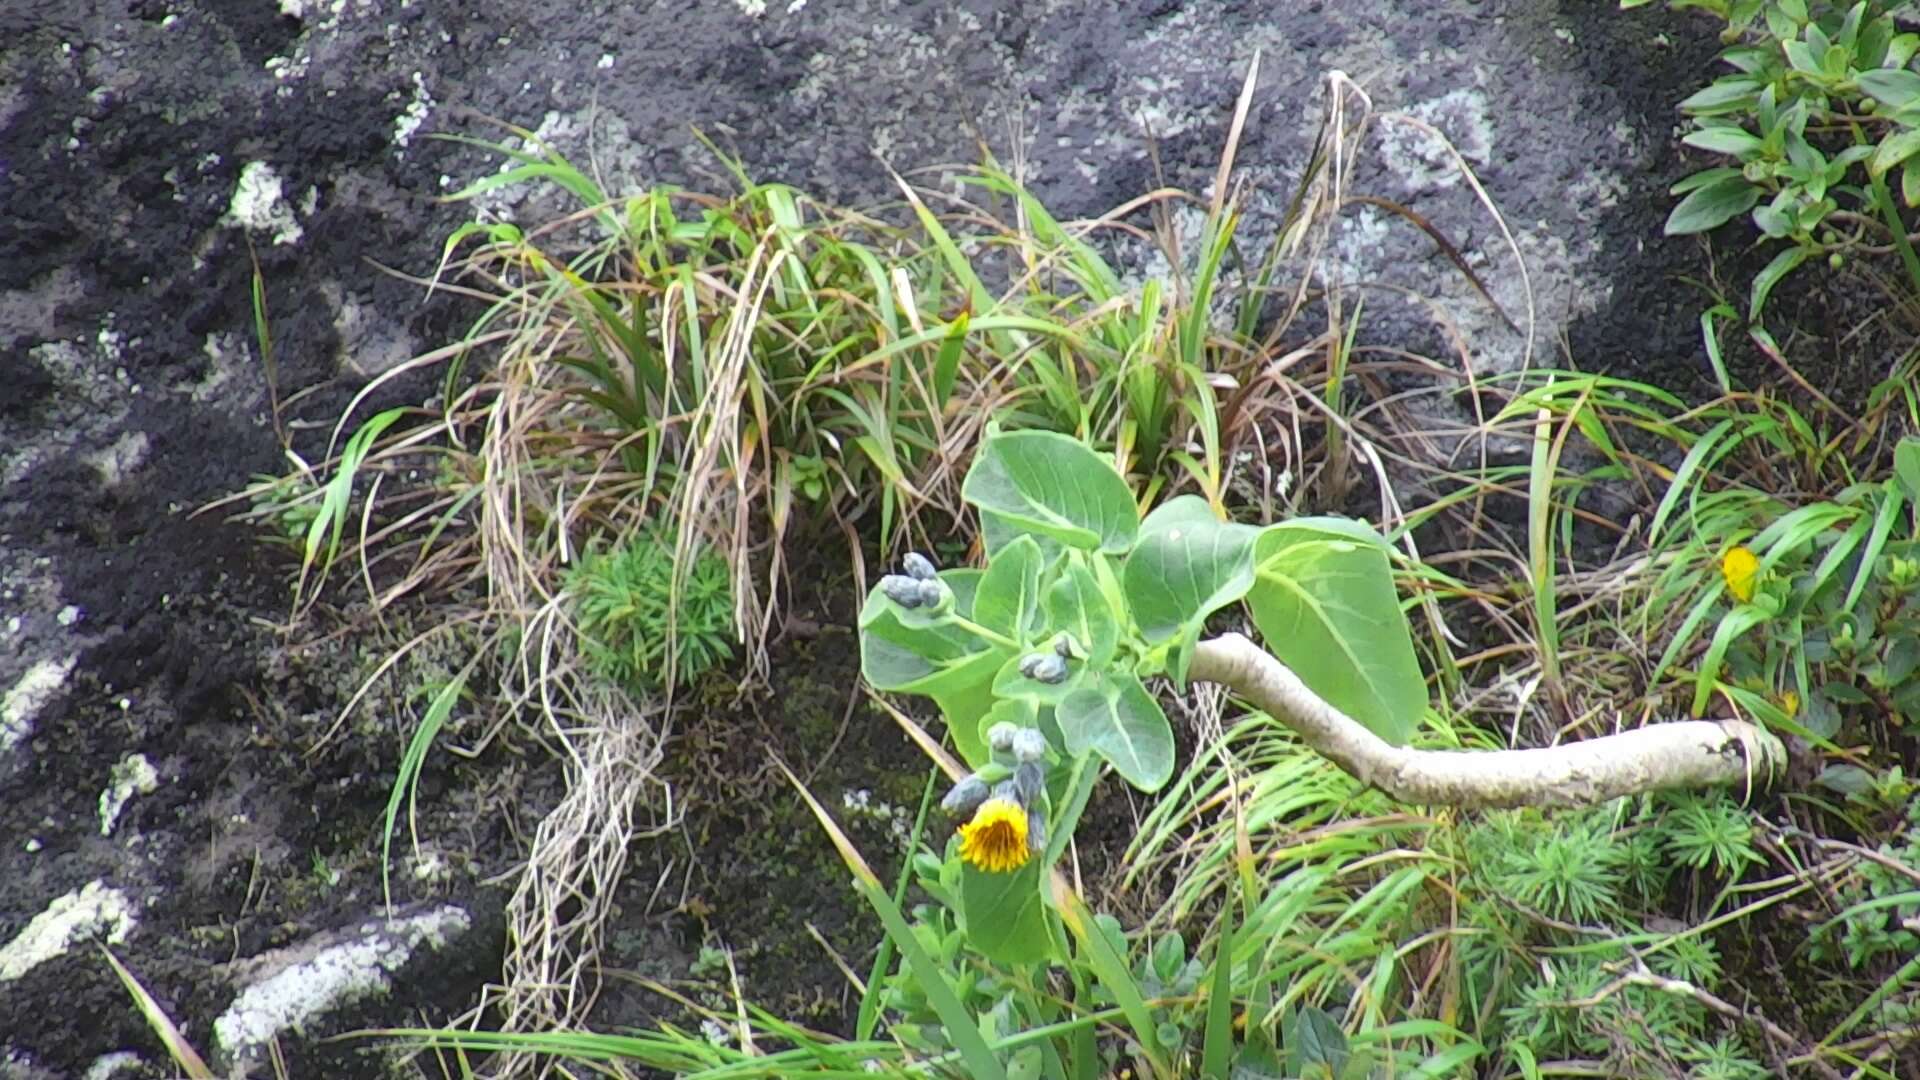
(259, 204)
(303, 983)
(134, 775)
(28, 696)
(118, 461)
(92, 911)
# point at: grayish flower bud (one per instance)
(1029, 662)
(932, 592)
(1006, 789)
(1029, 745)
(1028, 780)
(1063, 646)
(1050, 669)
(966, 796)
(918, 566)
(1036, 831)
(904, 591)
(1000, 736)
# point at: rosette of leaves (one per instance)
(1083, 601)
(633, 615)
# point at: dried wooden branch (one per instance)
(1687, 754)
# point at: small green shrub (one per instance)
(1569, 869)
(1709, 832)
(1819, 109)
(638, 625)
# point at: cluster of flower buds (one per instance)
(1026, 750)
(1049, 667)
(918, 587)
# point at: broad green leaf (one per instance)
(1005, 917)
(1076, 605)
(1313, 1037)
(1325, 605)
(997, 532)
(1117, 719)
(963, 689)
(913, 652)
(1712, 206)
(1800, 55)
(1187, 565)
(1894, 88)
(1051, 484)
(1008, 599)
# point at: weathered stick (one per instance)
(1687, 754)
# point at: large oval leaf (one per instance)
(1117, 719)
(912, 651)
(1187, 565)
(1051, 484)
(1324, 602)
(1005, 914)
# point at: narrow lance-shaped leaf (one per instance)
(1008, 599)
(1076, 605)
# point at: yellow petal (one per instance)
(996, 839)
(1741, 569)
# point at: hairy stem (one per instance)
(1688, 754)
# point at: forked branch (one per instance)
(1687, 754)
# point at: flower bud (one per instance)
(918, 566)
(1000, 736)
(1036, 830)
(1028, 781)
(1049, 669)
(1063, 646)
(1029, 745)
(904, 591)
(966, 796)
(1030, 662)
(931, 592)
(1007, 791)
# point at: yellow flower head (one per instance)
(1790, 703)
(996, 839)
(1741, 569)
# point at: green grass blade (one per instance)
(406, 784)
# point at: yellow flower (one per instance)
(1790, 703)
(996, 839)
(1741, 569)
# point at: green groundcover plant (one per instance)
(1819, 110)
